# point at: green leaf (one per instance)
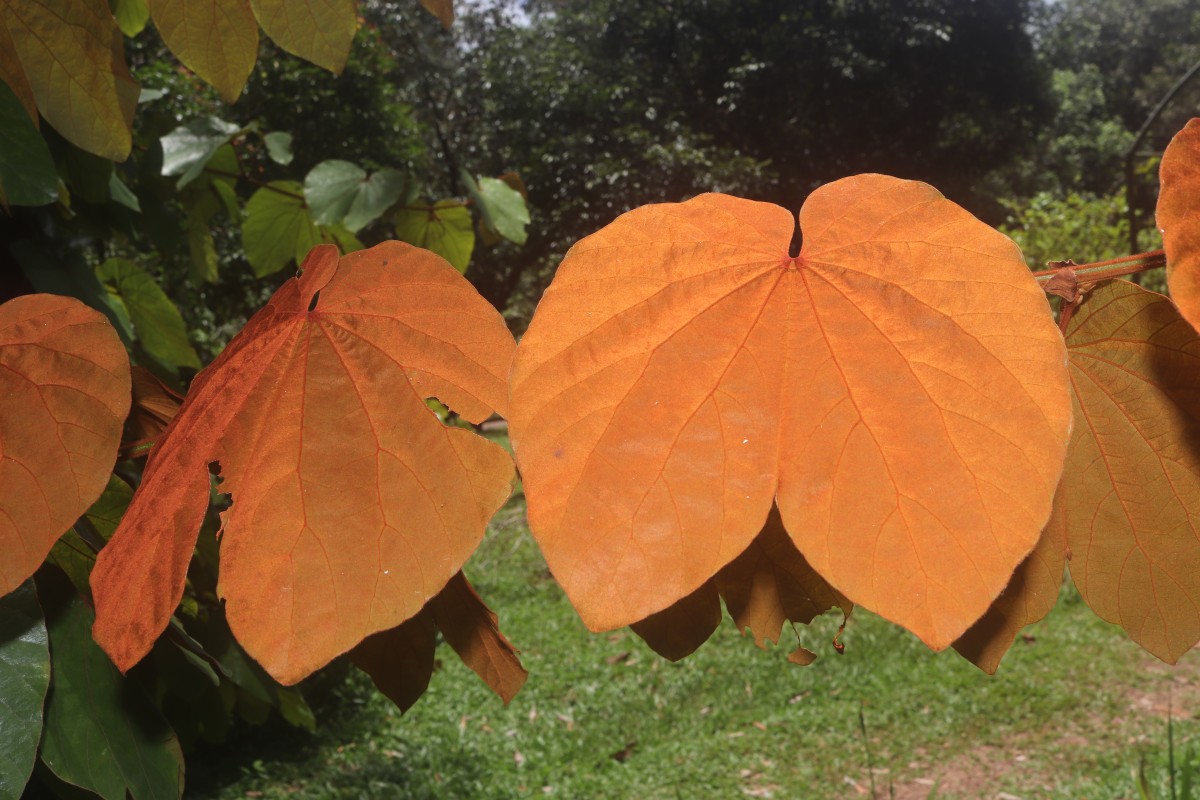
(70, 278)
(341, 192)
(72, 554)
(188, 148)
(346, 241)
(156, 320)
(445, 228)
(120, 193)
(89, 176)
(502, 207)
(131, 15)
(204, 264)
(24, 680)
(277, 229)
(216, 39)
(26, 167)
(102, 733)
(279, 147)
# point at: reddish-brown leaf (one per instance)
(1178, 207)
(154, 406)
(64, 380)
(771, 583)
(400, 660)
(898, 388)
(471, 628)
(1029, 597)
(677, 631)
(352, 504)
(1130, 496)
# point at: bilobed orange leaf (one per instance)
(64, 380)
(676, 631)
(352, 504)
(1178, 207)
(320, 31)
(472, 629)
(770, 584)
(898, 388)
(216, 39)
(72, 55)
(1029, 597)
(1130, 496)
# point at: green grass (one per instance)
(603, 716)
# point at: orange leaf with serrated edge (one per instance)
(352, 504)
(471, 628)
(1130, 497)
(677, 631)
(898, 388)
(216, 39)
(72, 56)
(770, 584)
(1029, 597)
(64, 377)
(320, 31)
(1176, 215)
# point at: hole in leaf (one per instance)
(312, 304)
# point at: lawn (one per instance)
(1073, 711)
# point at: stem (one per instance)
(1113, 268)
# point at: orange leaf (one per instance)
(352, 504)
(898, 388)
(1029, 597)
(64, 377)
(154, 406)
(1130, 497)
(400, 660)
(1178, 205)
(471, 628)
(771, 583)
(677, 631)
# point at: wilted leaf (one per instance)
(131, 15)
(472, 629)
(771, 584)
(445, 228)
(216, 39)
(1029, 597)
(677, 631)
(65, 384)
(352, 504)
(400, 660)
(898, 388)
(154, 406)
(502, 207)
(279, 147)
(72, 55)
(320, 31)
(26, 167)
(188, 148)
(102, 733)
(339, 192)
(1178, 206)
(442, 9)
(1130, 497)
(159, 326)
(24, 679)
(277, 229)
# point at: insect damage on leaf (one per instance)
(352, 505)
(897, 388)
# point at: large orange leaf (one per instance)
(352, 504)
(898, 388)
(72, 56)
(1178, 207)
(1130, 496)
(64, 380)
